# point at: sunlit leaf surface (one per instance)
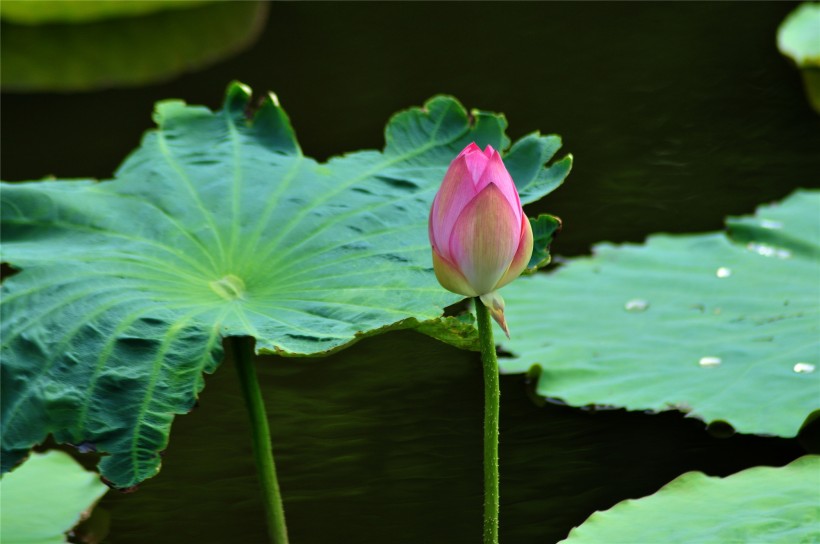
(760, 505)
(47, 496)
(722, 327)
(217, 226)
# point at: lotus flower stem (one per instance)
(263, 453)
(492, 395)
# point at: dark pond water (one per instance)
(677, 115)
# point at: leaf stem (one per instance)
(242, 348)
(492, 395)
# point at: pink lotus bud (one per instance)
(481, 238)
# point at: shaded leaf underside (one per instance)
(723, 327)
(218, 226)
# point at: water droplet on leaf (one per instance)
(723, 272)
(636, 305)
(708, 362)
(803, 368)
(768, 251)
(769, 224)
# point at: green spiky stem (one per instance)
(260, 434)
(492, 395)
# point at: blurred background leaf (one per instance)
(798, 38)
(37, 12)
(122, 52)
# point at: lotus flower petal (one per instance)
(522, 255)
(457, 190)
(450, 278)
(485, 239)
(480, 236)
(475, 160)
(495, 172)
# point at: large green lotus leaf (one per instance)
(47, 496)
(78, 11)
(216, 226)
(125, 52)
(722, 327)
(760, 505)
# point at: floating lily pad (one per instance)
(124, 52)
(799, 35)
(798, 38)
(216, 226)
(722, 327)
(760, 505)
(79, 11)
(47, 496)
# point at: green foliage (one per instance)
(216, 226)
(125, 52)
(798, 36)
(459, 331)
(760, 505)
(38, 12)
(544, 229)
(47, 496)
(722, 327)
